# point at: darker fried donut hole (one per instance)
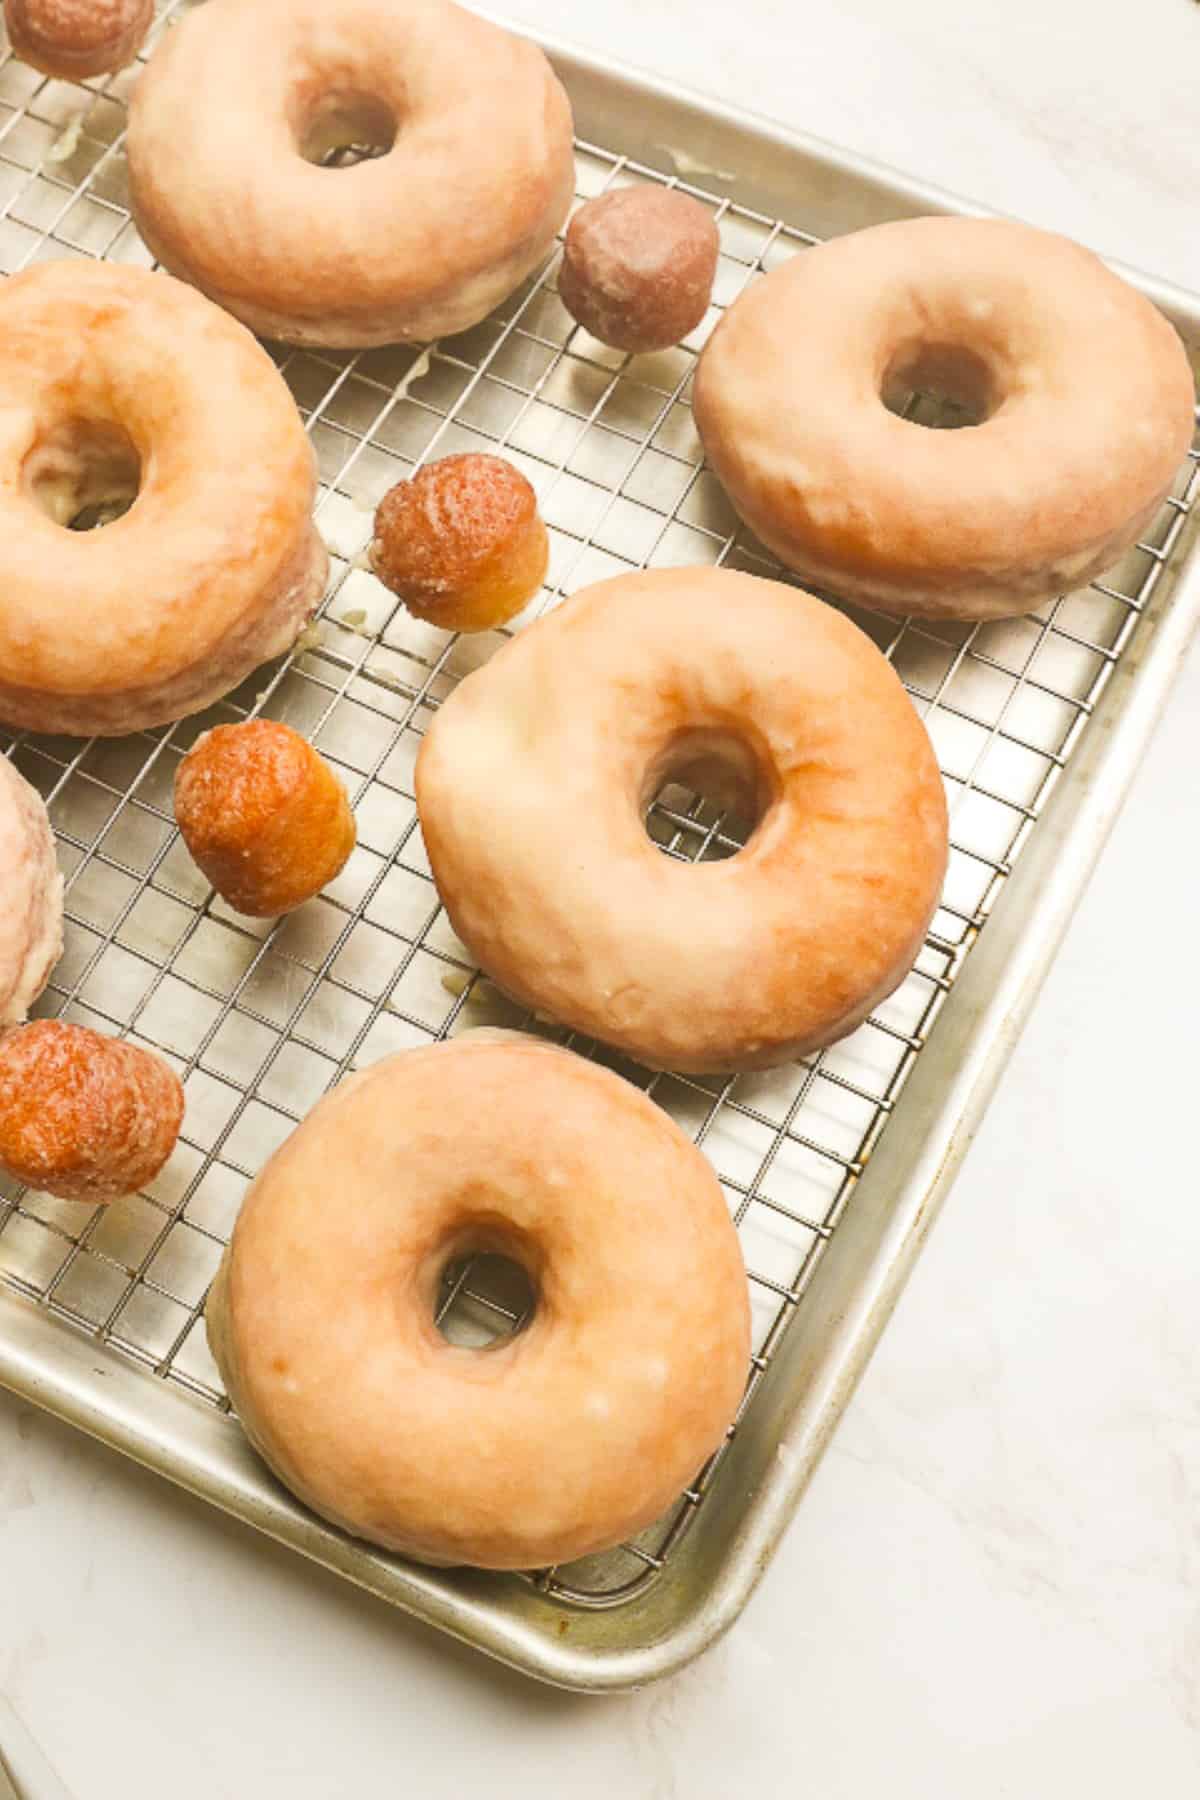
(638, 267)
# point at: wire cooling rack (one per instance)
(261, 1020)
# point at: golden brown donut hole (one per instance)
(76, 39)
(264, 816)
(84, 1116)
(462, 543)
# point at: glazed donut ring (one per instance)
(419, 242)
(114, 381)
(31, 906)
(565, 1437)
(551, 880)
(1085, 391)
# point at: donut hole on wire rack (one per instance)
(941, 386)
(83, 473)
(344, 127)
(706, 793)
(485, 1295)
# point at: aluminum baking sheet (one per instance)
(833, 1167)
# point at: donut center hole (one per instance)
(83, 473)
(483, 1298)
(941, 386)
(345, 128)
(705, 795)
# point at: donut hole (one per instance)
(941, 386)
(484, 1297)
(83, 473)
(344, 128)
(705, 795)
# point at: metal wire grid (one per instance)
(260, 1020)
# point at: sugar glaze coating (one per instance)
(416, 243)
(116, 380)
(708, 677)
(629, 1372)
(1082, 388)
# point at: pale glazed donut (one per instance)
(114, 380)
(76, 39)
(533, 781)
(568, 1436)
(1085, 391)
(416, 243)
(30, 897)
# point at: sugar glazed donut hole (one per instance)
(76, 39)
(84, 1116)
(638, 267)
(709, 678)
(382, 172)
(1080, 390)
(569, 1435)
(125, 392)
(264, 816)
(462, 543)
(31, 907)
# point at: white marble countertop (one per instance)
(993, 1586)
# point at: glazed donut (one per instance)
(716, 680)
(76, 39)
(115, 382)
(31, 897)
(566, 1437)
(1082, 387)
(475, 178)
